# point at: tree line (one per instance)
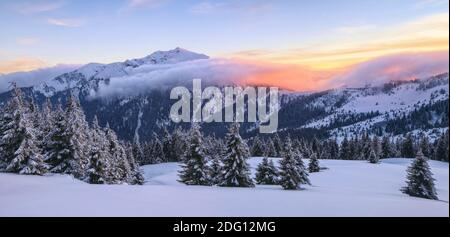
(35, 141)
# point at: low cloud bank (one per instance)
(32, 78)
(400, 67)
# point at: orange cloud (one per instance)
(20, 64)
(405, 66)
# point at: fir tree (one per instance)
(235, 170)
(18, 149)
(278, 144)
(167, 144)
(442, 150)
(156, 150)
(345, 150)
(100, 164)
(425, 146)
(269, 150)
(292, 173)
(407, 149)
(266, 173)
(138, 152)
(420, 182)
(120, 171)
(386, 148)
(376, 146)
(313, 166)
(68, 151)
(215, 170)
(195, 170)
(257, 147)
(178, 144)
(136, 177)
(373, 157)
(56, 152)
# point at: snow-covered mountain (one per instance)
(393, 108)
(88, 77)
(349, 111)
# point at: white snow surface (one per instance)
(347, 188)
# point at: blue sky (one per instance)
(81, 31)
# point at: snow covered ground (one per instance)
(347, 188)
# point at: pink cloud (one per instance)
(401, 67)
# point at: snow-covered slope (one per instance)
(87, 77)
(393, 100)
(347, 188)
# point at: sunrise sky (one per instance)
(308, 38)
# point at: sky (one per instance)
(306, 38)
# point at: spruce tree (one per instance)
(136, 177)
(386, 148)
(407, 150)
(56, 152)
(215, 169)
(18, 137)
(420, 182)
(373, 157)
(120, 171)
(292, 172)
(100, 163)
(344, 153)
(278, 144)
(167, 144)
(266, 173)
(313, 166)
(156, 150)
(425, 146)
(442, 150)
(235, 170)
(257, 147)
(195, 170)
(178, 144)
(269, 150)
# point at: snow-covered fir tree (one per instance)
(138, 152)
(407, 149)
(424, 145)
(269, 150)
(136, 176)
(442, 148)
(345, 153)
(313, 165)
(69, 150)
(235, 170)
(278, 144)
(376, 146)
(386, 148)
(215, 169)
(18, 132)
(266, 173)
(100, 164)
(420, 181)
(257, 147)
(178, 143)
(195, 170)
(167, 144)
(292, 172)
(121, 171)
(155, 150)
(56, 146)
(373, 157)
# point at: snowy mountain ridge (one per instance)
(88, 77)
(392, 100)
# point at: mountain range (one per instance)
(133, 98)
